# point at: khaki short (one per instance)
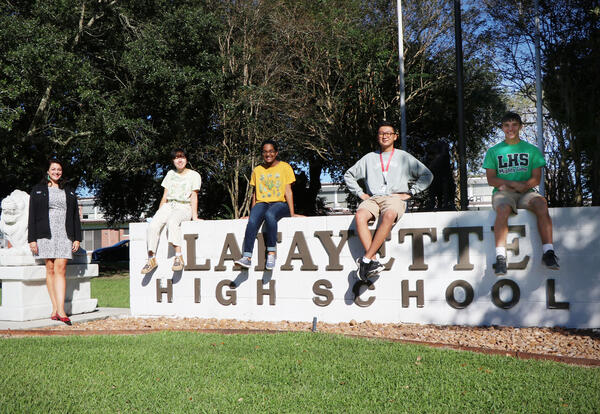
(513, 199)
(380, 204)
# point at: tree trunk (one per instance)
(596, 172)
(314, 186)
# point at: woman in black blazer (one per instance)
(54, 232)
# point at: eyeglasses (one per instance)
(269, 152)
(386, 134)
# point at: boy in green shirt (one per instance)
(514, 168)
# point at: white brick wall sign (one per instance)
(438, 270)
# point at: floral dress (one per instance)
(58, 246)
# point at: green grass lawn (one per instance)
(292, 372)
(111, 291)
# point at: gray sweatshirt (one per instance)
(406, 174)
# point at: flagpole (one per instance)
(462, 159)
(401, 61)
(538, 92)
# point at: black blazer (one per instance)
(39, 219)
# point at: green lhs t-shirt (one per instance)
(514, 162)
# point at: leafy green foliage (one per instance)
(571, 81)
(570, 57)
(111, 87)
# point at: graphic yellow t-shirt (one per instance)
(269, 183)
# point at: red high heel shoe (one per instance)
(55, 317)
(65, 320)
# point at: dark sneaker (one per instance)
(550, 260)
(367, 270)
(375, 268)
(361, 271)
(245, 262)
(500, 266)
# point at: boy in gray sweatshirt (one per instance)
(392, 177)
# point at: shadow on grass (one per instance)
(113, 268)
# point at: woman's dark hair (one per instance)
(269, 141)
(178, 152)
(61, 180)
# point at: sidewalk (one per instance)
(98, 314)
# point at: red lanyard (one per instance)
(387, 167)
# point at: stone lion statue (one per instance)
(13, 222)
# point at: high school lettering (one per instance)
(226, 290)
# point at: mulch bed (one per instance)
(565, 345)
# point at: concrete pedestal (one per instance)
(25, 296)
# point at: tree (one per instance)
(343, 79)
(41, 111)
(110, 88)
(569, 48)
(247, 100)
(572, 82)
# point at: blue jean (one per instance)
(270, 213)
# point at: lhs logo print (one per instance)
(513, 163)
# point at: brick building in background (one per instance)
(96, 233)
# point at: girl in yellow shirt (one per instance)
(271, 200)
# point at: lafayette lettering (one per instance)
(299, 249)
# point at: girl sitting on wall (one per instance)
(179, 203)
(271, 200)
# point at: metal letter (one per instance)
(303, 254)
(190, 240)
(516, 293)
(551, 302)
(332, 250)
(407, 294)
(231, 293)
(260, 292)
(196, 290)
(418, 252)
(356, 290)
(514, 247)
(231, 245)
(321, 287)
(262, 251)
(161, 290)
(451, 300)
(464, 261)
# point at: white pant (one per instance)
(172, 214)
